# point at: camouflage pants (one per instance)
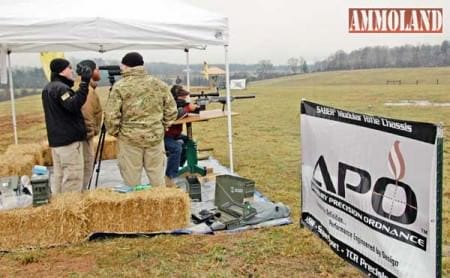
(132, 159)
(68, 168)
(89, 156)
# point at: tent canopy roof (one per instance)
(104, 25)
(215, 71)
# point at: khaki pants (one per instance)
(89, 156)
(68, 168)
(132, 159)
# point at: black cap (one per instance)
(88, 63)
(133, 59)
(58, 65)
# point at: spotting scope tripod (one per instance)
(112, 71)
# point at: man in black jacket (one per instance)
(65, 124)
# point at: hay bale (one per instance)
(71, 217)
(109, 148)
(19, 159)
(33, 149)
(16, 165)
(60, 222)
(4, 169)
(157, 209)
(46, 153)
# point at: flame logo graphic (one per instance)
(396, 162)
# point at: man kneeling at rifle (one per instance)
(173, 139)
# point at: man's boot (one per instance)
(170, 182)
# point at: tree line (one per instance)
(387, 57)
(31, 80)
(34, 78)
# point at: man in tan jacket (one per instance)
(92, 114)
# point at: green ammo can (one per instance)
(194, 188)
(41, 189)
(233, 189)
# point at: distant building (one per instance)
(213, 77)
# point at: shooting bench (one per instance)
(191, 146)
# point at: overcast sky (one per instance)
(280, 29)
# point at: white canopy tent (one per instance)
(102, 25)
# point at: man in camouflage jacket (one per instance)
(138, 111)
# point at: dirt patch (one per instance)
(22, 121)
(58, 266)
(25, 122)
(417, 103)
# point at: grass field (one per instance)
(267, 150)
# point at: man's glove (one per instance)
(85, 73)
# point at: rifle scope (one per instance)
(203, 94)
(112, 69)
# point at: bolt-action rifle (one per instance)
(204, 99)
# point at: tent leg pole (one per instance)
(227, 86)
(11, 93)
(188, 71)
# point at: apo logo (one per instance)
(396, 163)
(395, 200)
(390, 197)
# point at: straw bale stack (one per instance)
(109, 148)
(19, 159)
(33, 149)
(16, 165)
(71, 217)
(46, 154)
(42, 152)
(158, 209)
(60, 222)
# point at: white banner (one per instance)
(371, 189)
(237, 84)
